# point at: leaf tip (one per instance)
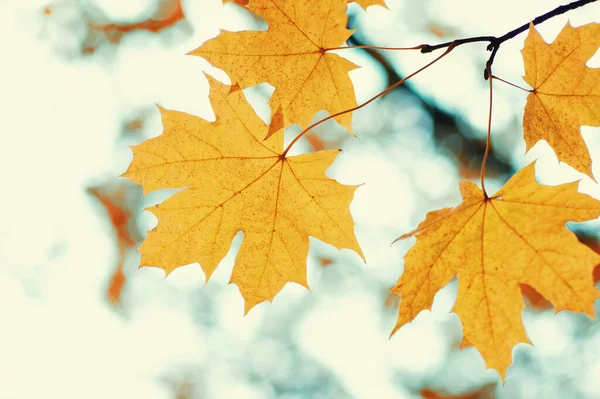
(249, 304)
(396, 328)
(304, 283)
(208, 272)
(591, 176)
(403, 237)
(362, 255)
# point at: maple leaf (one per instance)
(493, 245)
(237, 182)
(566, 93)
(292, 56)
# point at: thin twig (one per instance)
(495, 42)
(427, 48)
(445, 123)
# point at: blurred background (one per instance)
(78, 84)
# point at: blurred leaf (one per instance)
(325, 261)
(116, 284)
(440, 31)
(169, 14)
(114, 200)
(118, 214)
(316, 143)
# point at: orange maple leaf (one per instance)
(236, 181)
(566, 93)
(493, 245)
(292, 55)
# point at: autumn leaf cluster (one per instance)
(236, 176)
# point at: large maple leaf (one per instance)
(292, 56)
(234, 182)
(494, 244)
(566, 93)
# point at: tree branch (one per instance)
(496, 42)
(446, 126)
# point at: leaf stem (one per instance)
(495, 42)
(489, 135)
(387, 90)
(511, 84)
(419, 47)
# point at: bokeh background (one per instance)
(78, 84)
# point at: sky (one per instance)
(68, 98)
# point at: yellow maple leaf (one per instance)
(566, 93)
(368, 3)
(494, 244)
(234, 182)
(291, 55)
